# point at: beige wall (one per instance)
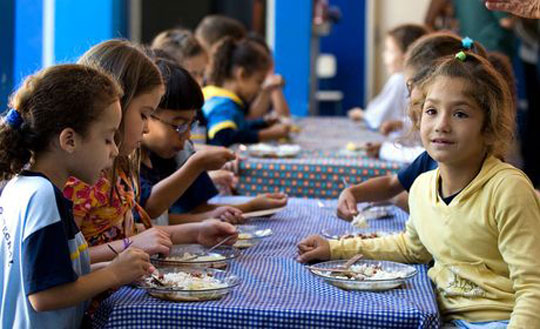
(385, 14)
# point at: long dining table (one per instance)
(278, 292)
(324, 165)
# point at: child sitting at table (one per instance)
(62, 123)
(182, 47)
(237, 71)
(168, 132)
(104, 210)
(475, 215)
(213, 29)
(389, 107)
(421, 56)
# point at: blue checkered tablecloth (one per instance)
(278, 292)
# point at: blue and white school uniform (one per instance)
(224, 113)
(41, 248)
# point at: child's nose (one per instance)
(443, 123)
(145, 127)
(114, 151)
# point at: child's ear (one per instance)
(68, 140)
(240, 73)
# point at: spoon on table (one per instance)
(210, 249)
(345, 268)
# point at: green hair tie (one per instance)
(461, 56)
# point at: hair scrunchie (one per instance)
(14, 119)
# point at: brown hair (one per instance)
(230, 54)
(137, 74)
(503, 65)
(404, 35)
(424, 52)
(213, 28)
(56, 98)
(489, 91)
(180, 44)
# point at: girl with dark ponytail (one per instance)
(237, 71)
(62, 123)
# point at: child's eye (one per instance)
(430, 111)
(461, 115)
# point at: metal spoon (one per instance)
(209, 250)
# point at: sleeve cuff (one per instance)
(341, 249)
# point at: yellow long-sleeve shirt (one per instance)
(484, 243)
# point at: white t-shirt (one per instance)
(41, 247)
(389, 104)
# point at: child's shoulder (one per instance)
(31, 197)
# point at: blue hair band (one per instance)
(467, 43)
(14, 119)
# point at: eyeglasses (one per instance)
(181, 128)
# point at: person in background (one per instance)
(213, 28)
(386, 112)
(183, 47)
(523, 8)
(62, 123)
(237, 72)
(475, 216)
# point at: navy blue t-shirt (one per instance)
(423, 163)
(202, 189)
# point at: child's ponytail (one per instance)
(222, 61)
(229, 54)
(53, 99)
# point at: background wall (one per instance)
(389, 13)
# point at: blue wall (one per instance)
(347, 42)
(291, 51)
(81, 24)
(78, 25)
(7, 37)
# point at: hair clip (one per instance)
(14, 119)
(461, 56)
(467, 43)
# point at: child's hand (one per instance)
(373, 149)
(268, 201)
(224, 177)
(271, 118)
(276, 131)
(228, 214)
(212, 231)
(347, 208)
(272, 82)
(356, 114)
(130, 265)
(314, 247)
(153, 241)
(389, 126)
(213, 158)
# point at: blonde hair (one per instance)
(486, 87)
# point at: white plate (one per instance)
(274, 151)
(262, 213)
(403, 273)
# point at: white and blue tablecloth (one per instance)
(278, 292)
